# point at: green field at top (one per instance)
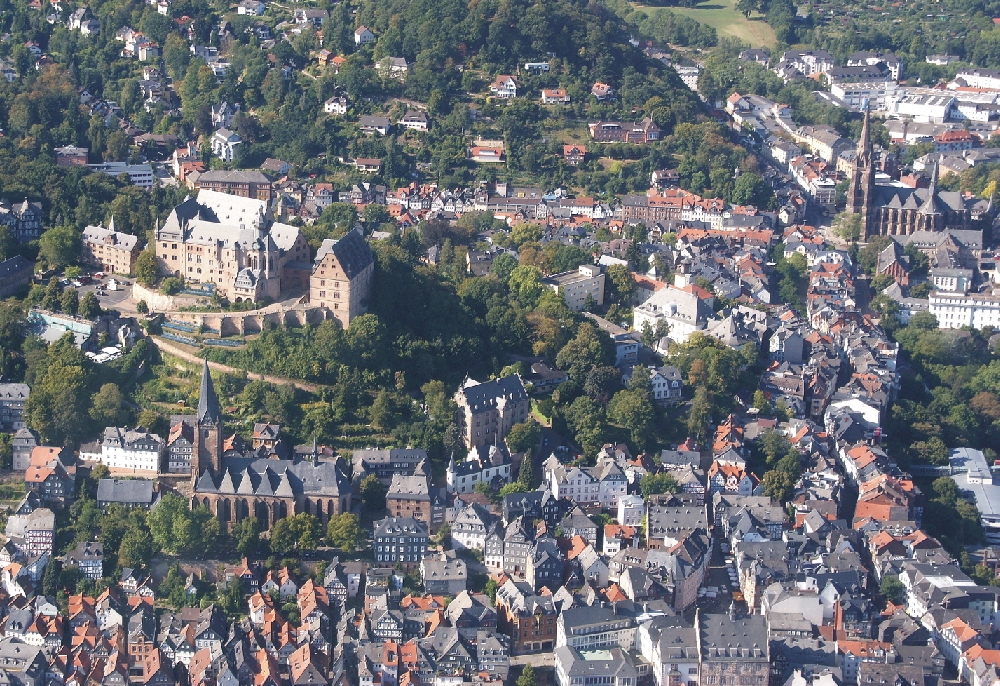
(724, 18)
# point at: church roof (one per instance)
(278, 478)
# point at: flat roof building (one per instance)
(577, 286)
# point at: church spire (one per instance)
(208, 403)
(865, 143)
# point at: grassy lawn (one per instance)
(723, 17)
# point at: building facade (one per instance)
(12, 399)
(342, 277)
(400, 540)
(109, 250)
(490, 409)
(229, 242)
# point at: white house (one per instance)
(631, 510)
(136, 450)
(504, 86)
(363, 36)
(682, 310)
(224, 144)
(253, 8)
(484, 464)
(471, 527)
(336, 105)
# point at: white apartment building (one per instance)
(136, 450)
(809, 62)
(980, 78)
(576, 287)
(578, 485)
(955, 310)
(631, 510)
(855, 94)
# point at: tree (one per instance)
(652, 484)
(50, 579)
(751, 189)
(527, 677)
(372, 494)
(107, 406)
(90, 308)
(633, 410)
(524, 436)
(141, 307)
(622, 285)
(146, 268)
(58, 246)
(246, 536)
(525, 284)
(602, 383)
(116, 147)
(69, 301)
(344, 532)
(847, 226)
(491, 589)
(586, 350)
(136, 548)
(778, 485)
(893, 589)
(299, 532)
(525, 473)
(699, 414)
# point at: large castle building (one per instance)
(232, 243)
(894, 209)
(235, 481)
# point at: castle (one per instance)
(235, 481)
(233, 244)
(894, 209)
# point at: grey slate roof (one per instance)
(125, 491)
(208, 403)
(351, 251)
(483, 396)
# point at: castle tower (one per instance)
(207, 449)
(859, 193)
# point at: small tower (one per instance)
(207, 449)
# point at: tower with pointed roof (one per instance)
(859, 193)
(931, 215)
(206, 452)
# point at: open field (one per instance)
(723, 17)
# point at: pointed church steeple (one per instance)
(930, 204)
(862, 186)
(208, 403)
(865, 142)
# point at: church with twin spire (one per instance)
(891, 208)
(267, 479)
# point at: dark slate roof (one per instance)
(741, 638)
(271, 477)
(13, 266)
(208, 404)
(351, 251)
(125, 491)
(913, 198)
(483, 396)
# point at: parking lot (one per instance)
(99, 286)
